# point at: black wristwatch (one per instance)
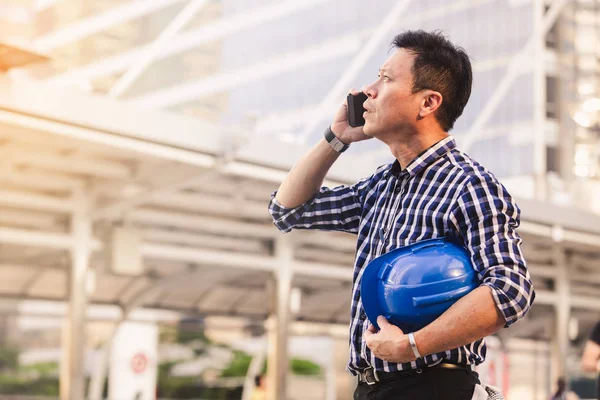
(334, 142)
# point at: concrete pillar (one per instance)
(72, 369)
(279, 333)
(331, 373)
(539, 117)
(560, 338)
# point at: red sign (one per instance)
(139, 362)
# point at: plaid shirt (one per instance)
(442, 192)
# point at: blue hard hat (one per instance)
(413, 285)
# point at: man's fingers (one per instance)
(382, 322)
(351, 91)
(372, 329)
(370, 340)
(368, 333)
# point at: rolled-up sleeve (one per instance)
(486, 217)
(337, 209)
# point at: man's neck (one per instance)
(407, 148)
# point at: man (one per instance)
(430, 190)
(590, 361)
(260, 388)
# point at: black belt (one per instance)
(370, 376)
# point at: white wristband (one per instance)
(413, 345)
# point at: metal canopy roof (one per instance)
(191, 114)
(277, 69)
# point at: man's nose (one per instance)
(368, 90)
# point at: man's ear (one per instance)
(430, 102)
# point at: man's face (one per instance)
(391, 106)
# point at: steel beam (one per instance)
(244, 261)
(43, 181)
(203, 223)
(39, 239)
(513, 71)
(154, 49)
(116, 209)
(543, 271)
(218, 205)
(204, 241)
(100, 22)
(189, 40)
(98, 137)
(537, 229)
(238, 168)
(39, 202)
(213, 258)
(52, 240)
(189, 91)
(584, 238)
(100, 168)
(28, 219)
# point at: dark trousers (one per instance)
(433, 384)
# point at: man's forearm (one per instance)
(471, 318)
(305, 179)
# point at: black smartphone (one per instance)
(356, 109)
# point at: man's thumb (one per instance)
(382, 321)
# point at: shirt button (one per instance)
(397, 189)
(362, 316)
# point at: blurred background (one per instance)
(140, 142)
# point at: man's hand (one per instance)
(390, 343)
(342, 130)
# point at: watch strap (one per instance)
(334, 142)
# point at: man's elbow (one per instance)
(510, 306)
(524, 301)
(500, 323)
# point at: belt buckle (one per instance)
(370, 376)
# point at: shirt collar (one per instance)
(424, 159)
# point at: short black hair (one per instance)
(441, 66)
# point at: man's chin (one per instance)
(368, 130)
